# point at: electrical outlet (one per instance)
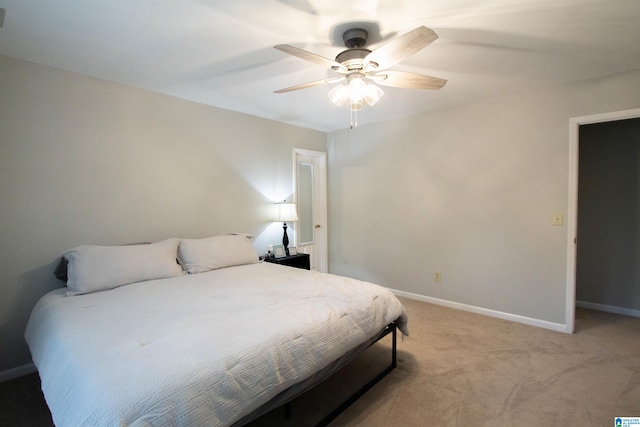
(437, 276)
(557, 218)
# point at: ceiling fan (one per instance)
(360, 67)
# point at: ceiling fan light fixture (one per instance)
(356, 104)
(339, 95)
(356, 93)
(356, 86)
(372, 94)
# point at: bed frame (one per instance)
(284, 399)
(390, 329)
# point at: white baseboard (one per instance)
(20, 371)
(608, 308)
(558, 327)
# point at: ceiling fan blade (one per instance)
(407, 80)
(395, 50)
(310, 84)
(310, 56)
(301, 5)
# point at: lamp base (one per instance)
(285, 239)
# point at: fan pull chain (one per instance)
(353, 115)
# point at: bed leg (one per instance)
(394, 347)
(340, 409)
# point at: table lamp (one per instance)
(285, 212)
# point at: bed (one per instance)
(218, 340)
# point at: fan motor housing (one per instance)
(352, 57)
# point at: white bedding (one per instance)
(199, 350)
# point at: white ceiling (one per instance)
(220, 52)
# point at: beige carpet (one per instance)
(463, 369)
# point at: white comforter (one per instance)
(200, 350)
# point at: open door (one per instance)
(574, 140)
(310, 196)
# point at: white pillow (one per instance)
(98, 268)
(211, 253)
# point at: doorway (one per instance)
(310, 196)
(572, 226)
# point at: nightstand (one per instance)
(297, 261)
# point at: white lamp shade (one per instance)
(285, 212)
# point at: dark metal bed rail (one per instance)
(289, 395)
(391, 329)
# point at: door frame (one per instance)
(319, 211)
(572, 213)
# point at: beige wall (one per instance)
(468, 191)
(84, 161)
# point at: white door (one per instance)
(310, 196)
